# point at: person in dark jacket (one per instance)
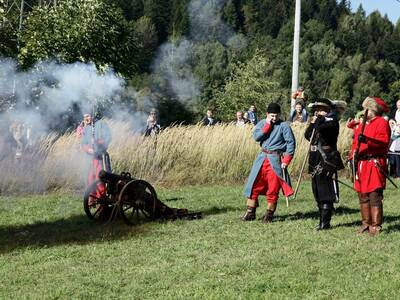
(298, 113)
(324, 159)
(209, 119)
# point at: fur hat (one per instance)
(339, 104)
(375, 104)
(274, 108)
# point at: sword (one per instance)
(384, 173)
(345, 184)
(285, 178)
(336, 188)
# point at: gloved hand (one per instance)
(320, 119)
(362, 139)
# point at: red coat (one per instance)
(369, 176)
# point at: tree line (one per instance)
(225, 54)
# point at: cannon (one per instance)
(135, 200)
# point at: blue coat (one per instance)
(280, 139)
(102, 136)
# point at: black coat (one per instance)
(326, 135)
(206, 122)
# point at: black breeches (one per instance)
(325, 189)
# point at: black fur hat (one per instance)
(274, 108)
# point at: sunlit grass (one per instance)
(50, 250)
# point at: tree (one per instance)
(146, 35)
(80, 30)
(160, 14)
(210, 67)
(250, 83)
(132, 9)
(180, 23)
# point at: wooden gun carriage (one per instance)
(133, 199)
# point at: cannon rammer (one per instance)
(133, 199)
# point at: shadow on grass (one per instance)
(392, 228)
(386, 220)
(218, 210)
(172, 199)
(341, 210)
(76, 229)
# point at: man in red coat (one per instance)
(371, 169)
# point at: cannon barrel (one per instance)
(113, 178)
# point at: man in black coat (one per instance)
(324, 159)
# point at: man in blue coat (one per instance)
(95, 141)
(268, 174)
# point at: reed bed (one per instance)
(179, 155)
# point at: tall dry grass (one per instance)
(178, 155)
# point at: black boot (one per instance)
(318, 227)
(249, 214)
(325, 216)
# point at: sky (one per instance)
(389, 7)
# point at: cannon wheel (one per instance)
(137, 201)
(97, 208)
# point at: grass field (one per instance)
(50, 250)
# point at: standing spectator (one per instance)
(298, 113)
(153, 127)
(209, 119)
(252, 115)
(240, 120)
(394, 151)
(85, 122)
(19, 137)
(394, 116)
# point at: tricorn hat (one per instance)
(375, 104)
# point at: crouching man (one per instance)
(268, 174)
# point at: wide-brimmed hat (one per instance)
(321, 102)
(375, 104)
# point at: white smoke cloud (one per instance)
(173, 60)
(206, 22)
(172, 64)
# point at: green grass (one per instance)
(50, 250)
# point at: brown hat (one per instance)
(375, 104)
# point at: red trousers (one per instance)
(267, 183)
(95, 168)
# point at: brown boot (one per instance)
(365, 218)
(249, 214)
(376, 220)
(269, 214)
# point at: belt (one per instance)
(371, 156)
(314, 148)
(271, 152)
